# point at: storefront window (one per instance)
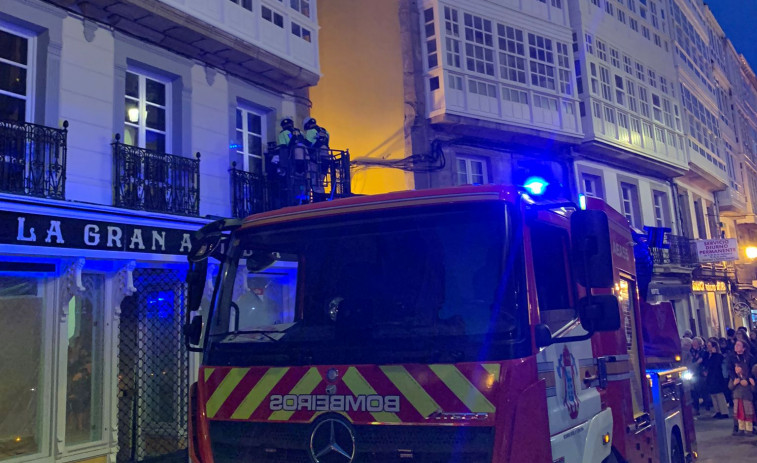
(84, 372)
(21, 366)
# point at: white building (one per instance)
(103, 107)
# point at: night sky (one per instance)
(738, 18)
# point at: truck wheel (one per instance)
(676, 449)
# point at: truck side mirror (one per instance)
(599, 313)
(193, 331)
(592, 251)
(198, 272)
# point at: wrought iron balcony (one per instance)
(676, 250)
(153, 181)
(322, 175)
(33, 159)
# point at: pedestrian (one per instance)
(743, 386)
(731, 335)
(688, 334)
(699, 356)
(753, 337)
(740, 354)
(686, 352)
(320, 155)
(716, 381)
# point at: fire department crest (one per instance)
(567, 369)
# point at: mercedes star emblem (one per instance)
(332, 440)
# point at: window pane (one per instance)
(253, 124)
(12, 79)
(239, 119)
(13, 47)
(21, 362)
(131, 136)
(132, 85)
(84, 387)
(156, 118)
(12, 109)
(155, 141)
(156, 92)
(253, 144)
(240, 140)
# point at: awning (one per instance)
(670, 290)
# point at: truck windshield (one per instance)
(413, 282)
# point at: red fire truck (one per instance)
(469, 324)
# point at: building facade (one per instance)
(643, 103)
(125, 126)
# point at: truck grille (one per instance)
(284, 442)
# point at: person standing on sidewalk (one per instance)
(740, 354)
(716, 383)
(743, 386)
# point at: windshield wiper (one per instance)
(266, 333)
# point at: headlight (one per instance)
(687, 376)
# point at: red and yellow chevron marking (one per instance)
(439, 394)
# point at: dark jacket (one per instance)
(715, 382)
(734, 358)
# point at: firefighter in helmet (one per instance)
(320, 156)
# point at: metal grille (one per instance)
(322, 176)
(153, 369)
(675, 250)
(153, 181)
(33, 159)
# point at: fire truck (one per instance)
(467, 324)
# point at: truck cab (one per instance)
(464, 324)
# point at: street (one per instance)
(716, 444)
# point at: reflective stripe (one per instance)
(233, 377)
(258, 393)
(463, 388)
(208, 372)
(409, 387)
(304, 386)
(359, 386)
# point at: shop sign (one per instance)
(717, 250)
(62, 232)
(709, 286)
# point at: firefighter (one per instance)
(320, 156)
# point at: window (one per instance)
(633, 24)
(644, 101)
(597, 110)
(304, 33)
(479, 43)
(542, 60)
(591, 185)
(250, 139)
(629, 198)
(471, 171)
(604, 75)
(640, 71)
(627, 66)
(615, 57)
(563, 64)
(601, 50)
(656, 107)
(482, 88)
(632, 5)
(609, 114)
(273, 17)
(609, 8)
(661, 209)
(452, 32)
(631, 88)
(652, 78)
(85, 363)
(15, 77)
(589, 44)
(24, 392)
(514, 95)
(645, 32)
(301, 6)
(431, 52)
(620, 95)
(512, 61)
(246, 4)
(147, 112)
(551, 261)
(545, 102)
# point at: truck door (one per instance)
(574, 406)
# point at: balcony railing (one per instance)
(322, 176)
(679, 251)
(33, 159)
(153, 181)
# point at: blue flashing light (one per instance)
(582, 202)
(235, 146)
(535, 185)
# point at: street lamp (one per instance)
(751, 252)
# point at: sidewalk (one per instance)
(716, 444)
